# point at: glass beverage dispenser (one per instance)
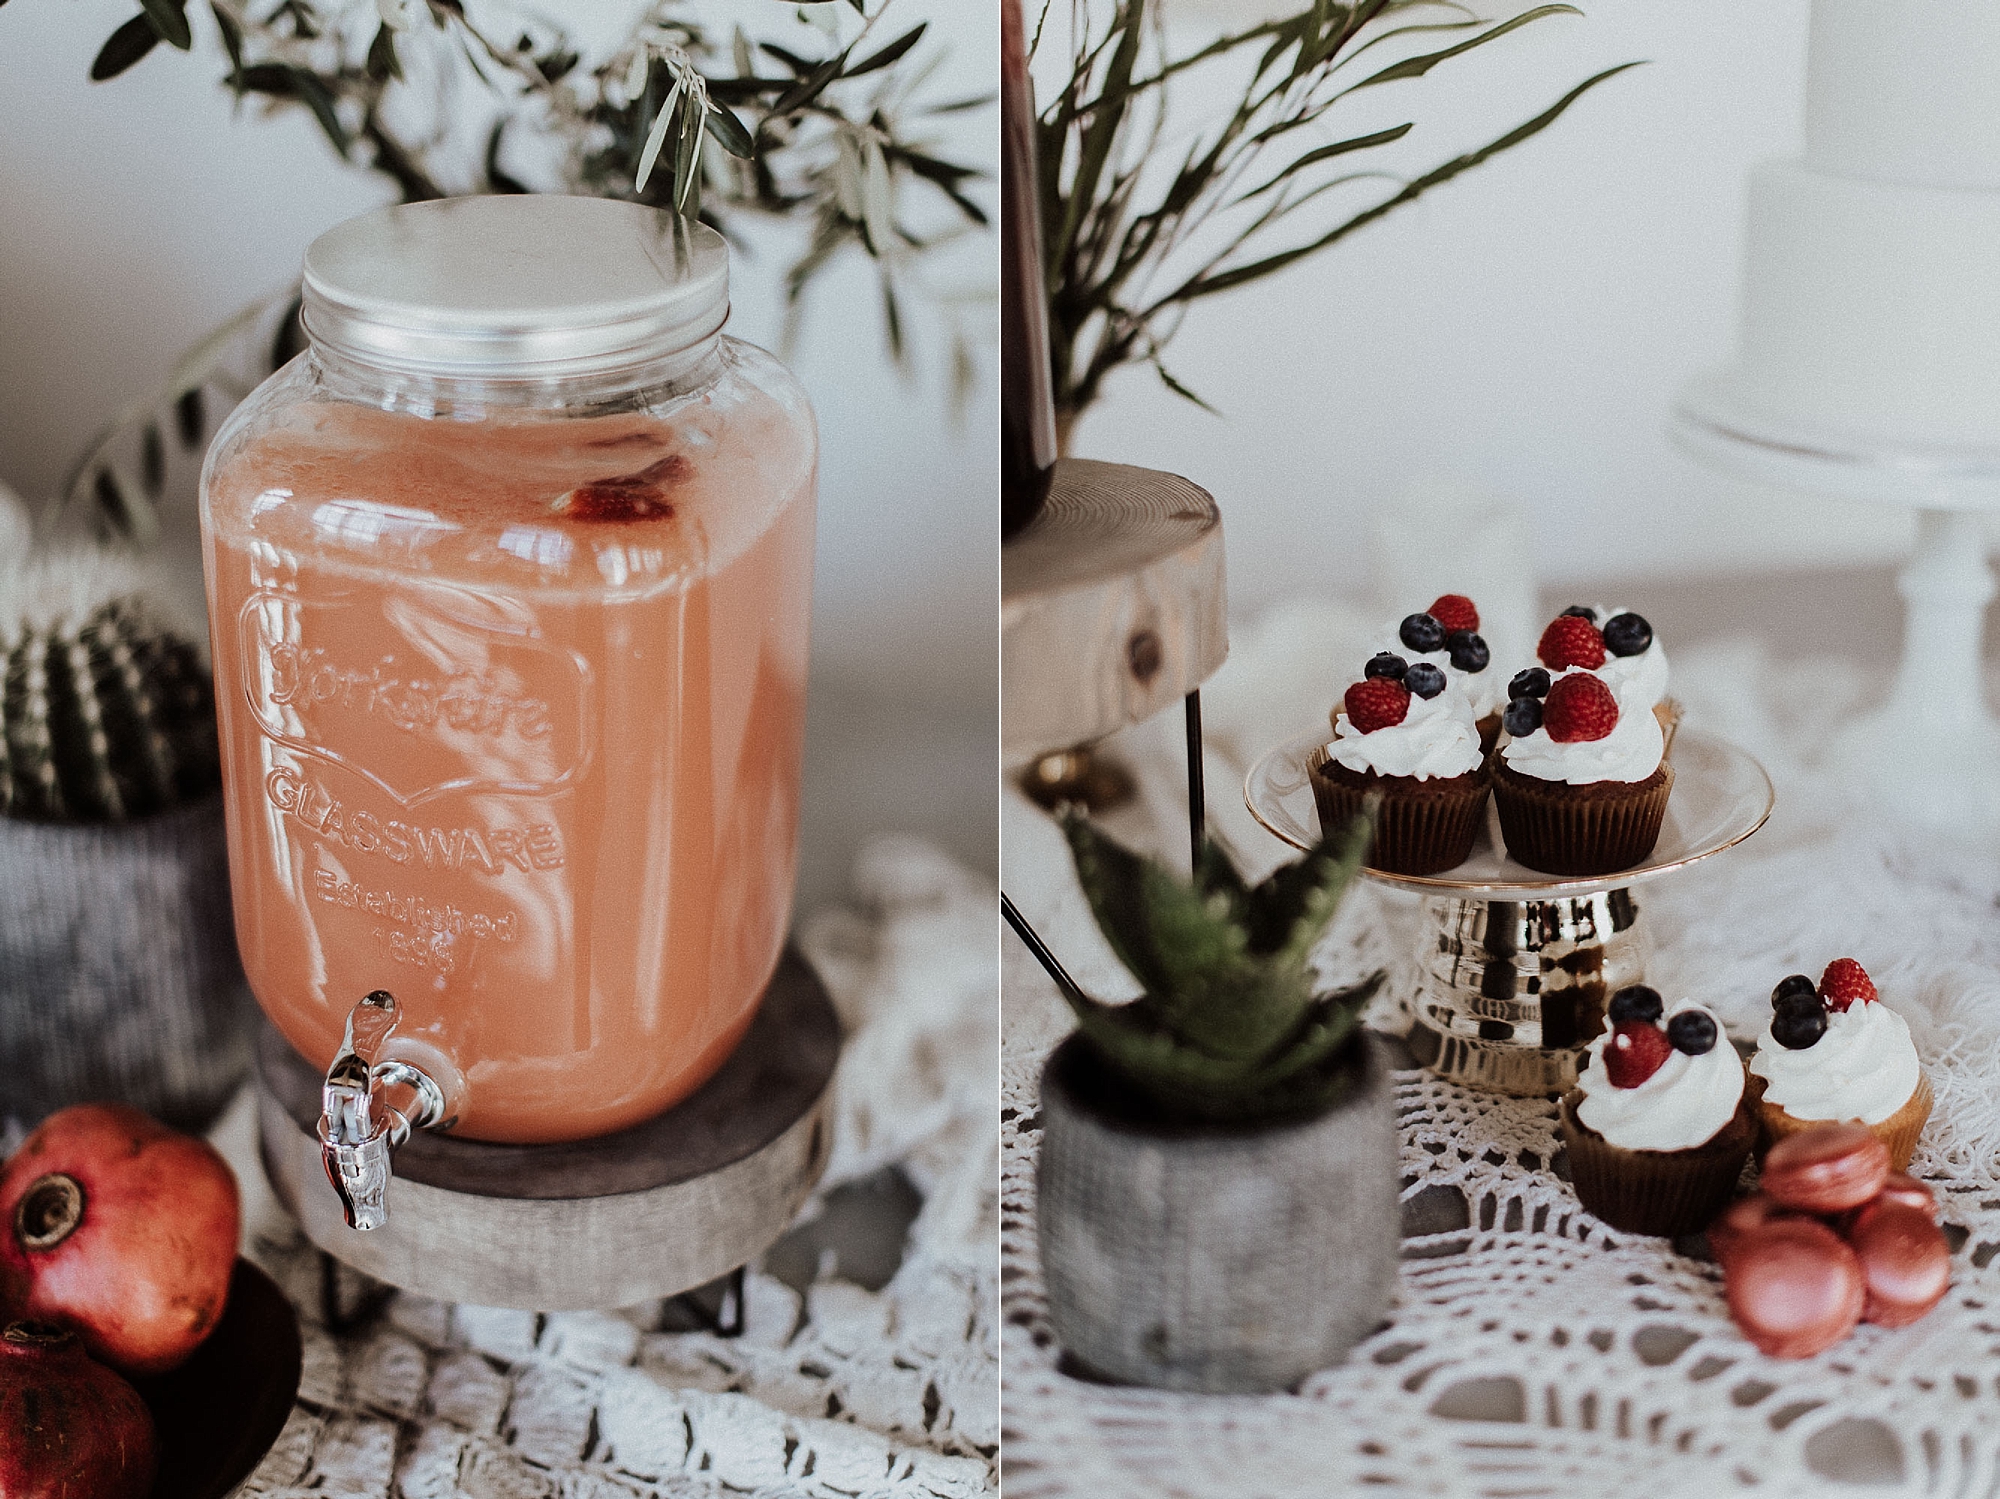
(509, 578)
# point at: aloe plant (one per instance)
(1230, 1028)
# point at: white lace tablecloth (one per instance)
(837, 1393)
(1530, 1350)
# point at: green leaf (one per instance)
(169, 21)
(889, 53)
(809, 87)
(496, 176)
(1416, 67)
(315, 95)
(1179, 389)
(1209, 283)
(730, 133)
(687, 156)
(124, 47)
(1323, 153)
(232, 37)
(383, 63)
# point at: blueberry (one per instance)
(1421, 633)
(1424, 679)
(1581, 611)
(1797, 983)
(1796, 1030)
(1468, 651)
(1636, 1002)
(1385, 664)
(1692, 1031)
(1799, 1004)
(1534, 682)
(1627, 635)
(1523, 717)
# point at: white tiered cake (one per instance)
(1871, 299)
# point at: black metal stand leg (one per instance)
(1197, 793)
(1033, 942)
(725, 1320)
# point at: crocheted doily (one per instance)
(835, 1393)
(1531, 1351)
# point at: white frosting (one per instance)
(1641, 678)
(1682, 1105)
(1630, 752)
(1484, 691)
(1864, 1067)
(1437, 737)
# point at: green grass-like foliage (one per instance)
(1137, 227)
(1230, 1028)
(103, 719)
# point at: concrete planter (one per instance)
(1212, 1259)
(119, 979)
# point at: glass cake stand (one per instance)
(1513, 968)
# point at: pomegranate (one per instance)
(69, 1427)
(122, 1229)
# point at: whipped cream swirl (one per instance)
(1864, 1067)
(1684, 1104)
(1630, 752)
(1643, 676)
(1437, 737)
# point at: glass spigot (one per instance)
(368, 1108)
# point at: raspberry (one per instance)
(1844, 982)
(627, 497)
(1571, 640)
(1634, 1052)
(1579, 707)
(1455, 612)
(1377, 703)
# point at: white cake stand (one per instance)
(1931, 753)
(1512, 968)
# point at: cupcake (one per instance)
(1446, 636)
(1659, 1124)
(1403, 733)
(1632, 663)
(1834, 1052)
(1582, 781)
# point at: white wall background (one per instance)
(1521, 331)
(135, 214)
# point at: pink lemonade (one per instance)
(512, 713)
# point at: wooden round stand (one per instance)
(649, 1212)
(1111, 605)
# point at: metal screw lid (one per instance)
(522, 286)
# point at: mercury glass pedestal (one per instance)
(1512, 969)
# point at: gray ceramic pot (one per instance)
(1211, 1259)
(119, 978)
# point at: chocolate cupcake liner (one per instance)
(1900, 1131)
(1598, 828)
(1425, 826)
(1666, 1193)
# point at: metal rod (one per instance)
(1197, 795)
(1033, 942)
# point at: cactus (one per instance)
(106, 712)
(1230, 1028)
